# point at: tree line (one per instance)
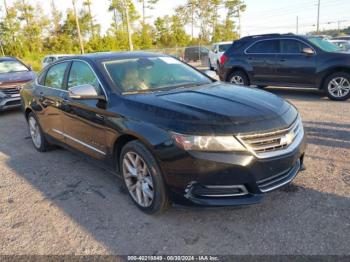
(27, 31)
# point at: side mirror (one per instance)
(210, 73)
(84, 92)
(30, 67)
(308, 51)
(216, 51)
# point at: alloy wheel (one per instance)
(339, 87)
(138, 179)
(35, 132)
(238, 80)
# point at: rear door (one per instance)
(293, 66)
(262, 57)
(84, 124)
(50, 93)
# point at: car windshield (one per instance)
(324, 44)
(11, 67)
(148, 74)
(223, 48)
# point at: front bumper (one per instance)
(228, 179)
(10, 103)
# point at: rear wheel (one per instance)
(337, 86)
(239, 78)
(143, 179)
(39, 141)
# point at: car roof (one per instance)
(8, 58)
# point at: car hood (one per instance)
(16, 78)
(214, 108)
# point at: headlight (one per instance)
(208, 143)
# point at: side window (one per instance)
(41, 78)
(290, 46)
(264, 47)
(55, 76)
(81, 74)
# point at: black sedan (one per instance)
(171, 132)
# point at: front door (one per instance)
(84, 124)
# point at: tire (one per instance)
(37, 136)
(141, 186)
(337, 86)
(240, 78)
(210, 65)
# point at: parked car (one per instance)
(196, 53)
(288, 60)
(217, 50)
(52, 58)
(171, 132)
(343, 44)
(345, 37)
(13, 75)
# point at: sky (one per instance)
(261, 16)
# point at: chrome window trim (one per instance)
(79, 141)
(67, 61)
(271, 39)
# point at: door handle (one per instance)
(283, 60)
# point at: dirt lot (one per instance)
(59, 203)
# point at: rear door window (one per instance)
(264, 47)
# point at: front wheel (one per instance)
(239, 78)
(337, 86)
(143, 179)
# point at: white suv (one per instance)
(52, 58)
(217, 50)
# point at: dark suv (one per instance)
(288, 60)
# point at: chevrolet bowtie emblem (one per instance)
(287, 139)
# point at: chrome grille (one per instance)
(10, 91)
(274, 143)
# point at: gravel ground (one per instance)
(59, 203)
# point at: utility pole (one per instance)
(78, 28)
(318, 16)
(339, 22)
(297, 31)
(126, 8)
